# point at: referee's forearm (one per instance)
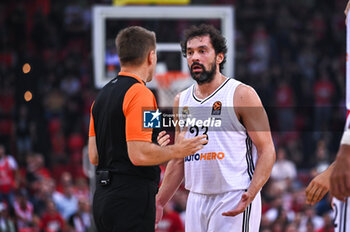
(149, 154)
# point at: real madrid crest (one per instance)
(185, 112)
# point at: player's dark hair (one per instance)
(133, 45)
(217, 40)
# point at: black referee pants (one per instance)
(127, 204)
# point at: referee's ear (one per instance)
(152, 57)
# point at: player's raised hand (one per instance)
(163, 139)
(246, 199)
(317, 188)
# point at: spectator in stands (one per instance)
(9, 176)
(52, 220)
(81, 220)
(6, 222)
(23, 132)
(66, 202)
(284, 170)
(171, 221)
(310, 221)
(24, 211)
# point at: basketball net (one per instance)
(169, 84)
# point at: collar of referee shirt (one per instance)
(131, 75)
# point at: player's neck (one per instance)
(204, 90)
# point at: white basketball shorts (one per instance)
(203, 213)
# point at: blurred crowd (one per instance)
(291, 52)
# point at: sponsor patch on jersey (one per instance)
(205, 156)
(216, 109)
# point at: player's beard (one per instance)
(204, 76)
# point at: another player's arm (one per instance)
(174, 173)
(340, 176)
(346, 11)
(319, 186)
(252, 114)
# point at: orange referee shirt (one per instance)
(117, 117)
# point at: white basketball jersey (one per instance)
(227, 161)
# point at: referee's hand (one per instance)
(188, 146)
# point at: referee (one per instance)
(127, 176)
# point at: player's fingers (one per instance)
(310, 191)
(197, 148)
(166, 142)
(163, 141)
(198, 139)
(161, 134)
(320, 195)
(163, 138)
(233, 213)
(313, 196)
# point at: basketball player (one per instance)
(226, 176)
(336, 178)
